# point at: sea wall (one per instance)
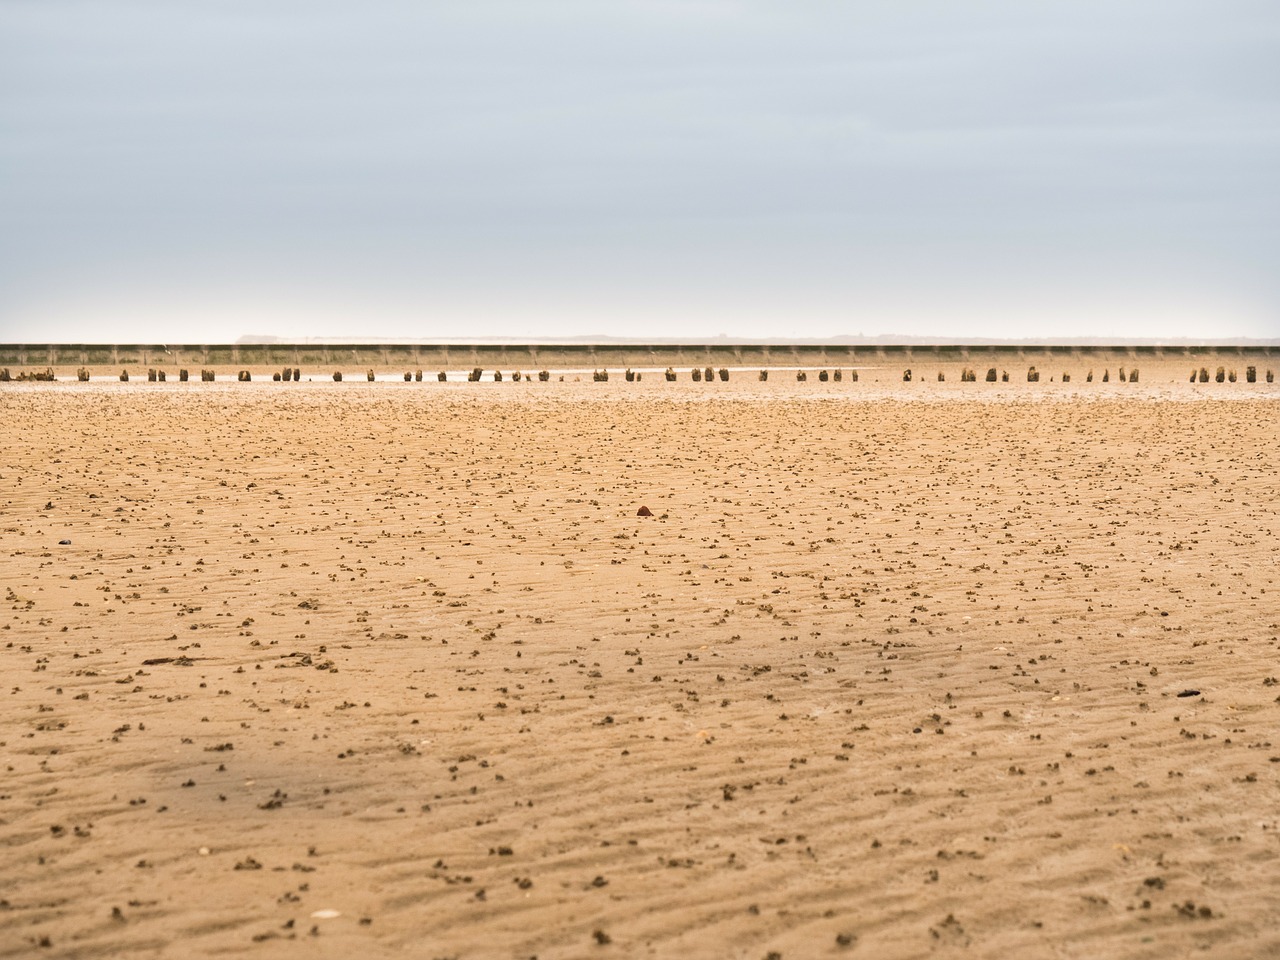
(356, 358)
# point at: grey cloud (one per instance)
(241, 145)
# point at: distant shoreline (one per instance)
(950, 363)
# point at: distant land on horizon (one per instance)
(723, 340)
(726, 340)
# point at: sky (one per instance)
(197, 172)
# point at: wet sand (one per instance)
(397, 671)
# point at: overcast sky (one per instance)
(197, 171)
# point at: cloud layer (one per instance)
(649, 168)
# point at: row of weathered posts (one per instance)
(698, 374)
(1250, 375)
(159, 376)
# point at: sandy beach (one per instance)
(893, 670)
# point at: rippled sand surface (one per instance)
(893, 670)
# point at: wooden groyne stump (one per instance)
(417, 376)
(517, 377)
(801, 376)
(1033, 375)
(206, 376)
(1004, 376)
(45, 375)
(708, 374)
(1106, 376)
(670, 375)
(287, 374)
(244, 376)
(497, 376)
(967, 375)
(151, 375)
(1220, 375)
(408, 377)
(724, 374)
(941, 376)
(124, 376)
(183, 375)
(544, 375)
(337, 376)
(369, 375)
(853, 375)
(837, 375)
(1133, 375)
(600, 376)
(1270, 377)
(1123, 376)
(629, 376)
(991, 375)
(906, 376)
(1066, 378)
(160, 375)
(1231, 376)
(696, 374)
(822, 376)
(82, 375)
(441, 377)
(764, 375)
(474, 375)
(5, 376)
(275, 377)
(1250, 374)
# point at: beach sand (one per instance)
(397, 671)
